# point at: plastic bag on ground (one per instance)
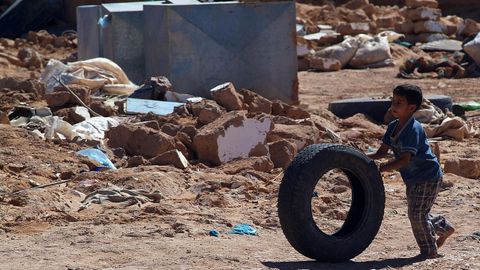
(343, 52)
(98, 156)
(94, 128)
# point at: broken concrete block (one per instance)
(256, 103)
(356, 28)
(61, 96)
(301, 135)
(136, 161)
(74, 115)
(325, 64)
(280, 108)
(206, 111)
(449, 27)
(282, 153)
(173, 157)
(139, 140)
(231, 136)
(421, 3)
(170, 129)
(102, 108)
(404, 28)
(422, 14)
(465, 167)
(226, 95)
(388, 21)
(259, 164)
(427, 27)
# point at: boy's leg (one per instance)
(420, 198)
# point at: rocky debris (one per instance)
(140, 140)
(103, 109)
(361, 123)
(45, 39)
(255, 103)
(74, 115)
(23, 85)
(172, 157)
(61, 96)
(465, 167)
(421, 3)
(136, 161)
(325, 64)
(302, 134)
(206, 111)
(355, 28)
(260, 164)
(281, 108)
(154, 88)
(30, 58)
(282, 153)
(231, 136)
(226, 95)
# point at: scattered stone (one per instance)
(226, 95)
(360, 122)
(60, 42)
(465, 167)
(355, 28)
(423, 14)
(119, 152)
(136, 161)
(301, 135)
(30, 58)
(170, 129)
(73, 115)
(61, 96)
(261, 164)
(139, 140)
(206, 111)
(225, 139)
(421, 3)
(173, 157)
(255, 103)
(102, 108)
(282, 153)
(339, 189)
(325, 64)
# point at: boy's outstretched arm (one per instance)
(396, 163)
(381, 152)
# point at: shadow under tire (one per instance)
(295, 197)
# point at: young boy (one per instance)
(418, 166)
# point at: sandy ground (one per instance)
(42, 228)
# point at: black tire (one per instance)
(295, 197)
(376, 108)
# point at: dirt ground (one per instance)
(43, 229)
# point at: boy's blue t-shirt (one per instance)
(424, 165)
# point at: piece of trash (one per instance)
(244, 229)
(118, 195)
(98, 156)
(315, 194)
(213, 233)
(470, 105)
(135, 105)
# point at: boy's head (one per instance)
(407, 99)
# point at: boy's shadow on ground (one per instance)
(311, 265)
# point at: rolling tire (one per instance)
(295, 197)
(376, 108)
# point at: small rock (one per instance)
(421, 3)
(170, 129)
(207, 111)
(173, 157)
(119, 152)
(61, 96)
(354, 29)
(60, 42)
(301, 135)
(103, 109)
(74, 115)
(261, 164)
(255, 103)
(465, 167)
(226, 95)
(30, 58)
(139, 140)
(339, 189)
(282, 153)
(135, 161)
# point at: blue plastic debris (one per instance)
(98, 156)
(213, 233)
(244, 229)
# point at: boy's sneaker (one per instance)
(441, 240)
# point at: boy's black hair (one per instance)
(411, 92)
